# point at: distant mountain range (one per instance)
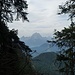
(38, 44)
(44, 54)
(44, 63)
(44, 48)
(35, 40)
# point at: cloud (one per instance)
(43, 18)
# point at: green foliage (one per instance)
(68, 8)
(15, 58)
(65, 40)
(66, 37)
(10, 7)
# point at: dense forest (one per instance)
(15, 55)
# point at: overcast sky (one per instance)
(43, 18)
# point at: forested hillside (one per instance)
(45, 63)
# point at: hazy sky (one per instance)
(43, 18)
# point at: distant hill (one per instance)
(44, 48)
(35, 40)
(38, 43)
(44, 63)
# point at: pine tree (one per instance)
(14, 54)
(65, 40)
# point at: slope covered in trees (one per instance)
(44, 63)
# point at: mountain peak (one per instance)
(36, 35)
(35, 40)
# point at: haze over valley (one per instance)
(39, 44)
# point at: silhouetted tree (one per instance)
(14, 54)
(68, 8)
(10, 7)
(7, 10)
(65, 40)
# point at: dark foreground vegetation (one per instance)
(65, 40)
(15, 57)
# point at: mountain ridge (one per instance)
(35, 40)
(44, 48)
(39, 44)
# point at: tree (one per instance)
(12, 59)
(10, 7)
(7, 10)
(68, 8)
(65, 40)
